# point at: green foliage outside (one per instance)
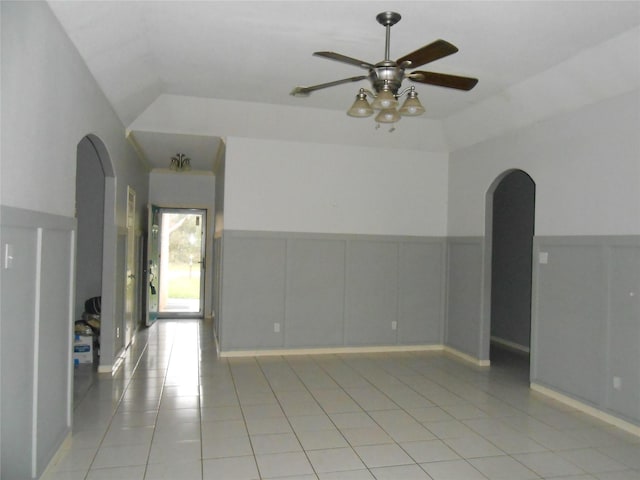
(184, 288)
(182, 284)
(184, 254)
(184, 240)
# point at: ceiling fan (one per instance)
(386, 77)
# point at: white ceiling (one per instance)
(158, 148)
(258, 51)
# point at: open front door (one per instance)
(152, 264)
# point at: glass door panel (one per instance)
(181, 262)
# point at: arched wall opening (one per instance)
(509, 231)
(96, 234)
(90, 216)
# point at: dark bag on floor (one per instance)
(93, 305)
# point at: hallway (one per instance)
(177, 411)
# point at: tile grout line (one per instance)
(115, 409)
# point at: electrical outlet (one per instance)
(543, 258)
(276, 327)
(617, 383)
(394, 325)
(117, 332)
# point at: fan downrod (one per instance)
(388, 18)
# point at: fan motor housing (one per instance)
(387, 73)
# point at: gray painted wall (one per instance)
(586, 327)
(512, 244)
(421, 292)
(330, 290)
(36, 314)
(372, 292)
(585, 316)
(17, 323)
(315, 289)
(464, 330)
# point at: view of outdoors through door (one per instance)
(181, 262)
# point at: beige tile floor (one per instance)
(176, 411)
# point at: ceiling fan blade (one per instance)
(344, 59)
(306, 91)
(426, 54)
(444, 80)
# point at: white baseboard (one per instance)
(331, 350)
(57, 456)
(217, 343)
(365, 349)
(508, 344)
(588, 409)
(466, 357)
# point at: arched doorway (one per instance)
(510, 230)
(90, 218)
(95, 240)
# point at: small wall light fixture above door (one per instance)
(180, 163)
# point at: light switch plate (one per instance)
(8, 256)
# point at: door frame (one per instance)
(203, 261)
(151, 265)
(131, 273)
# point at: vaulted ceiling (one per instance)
(257, 51)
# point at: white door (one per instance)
(130, 280)
(152, 266)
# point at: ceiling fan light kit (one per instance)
(411, 106)
(386, 78)
(388, 115)
(360, 107)
(384, 99)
